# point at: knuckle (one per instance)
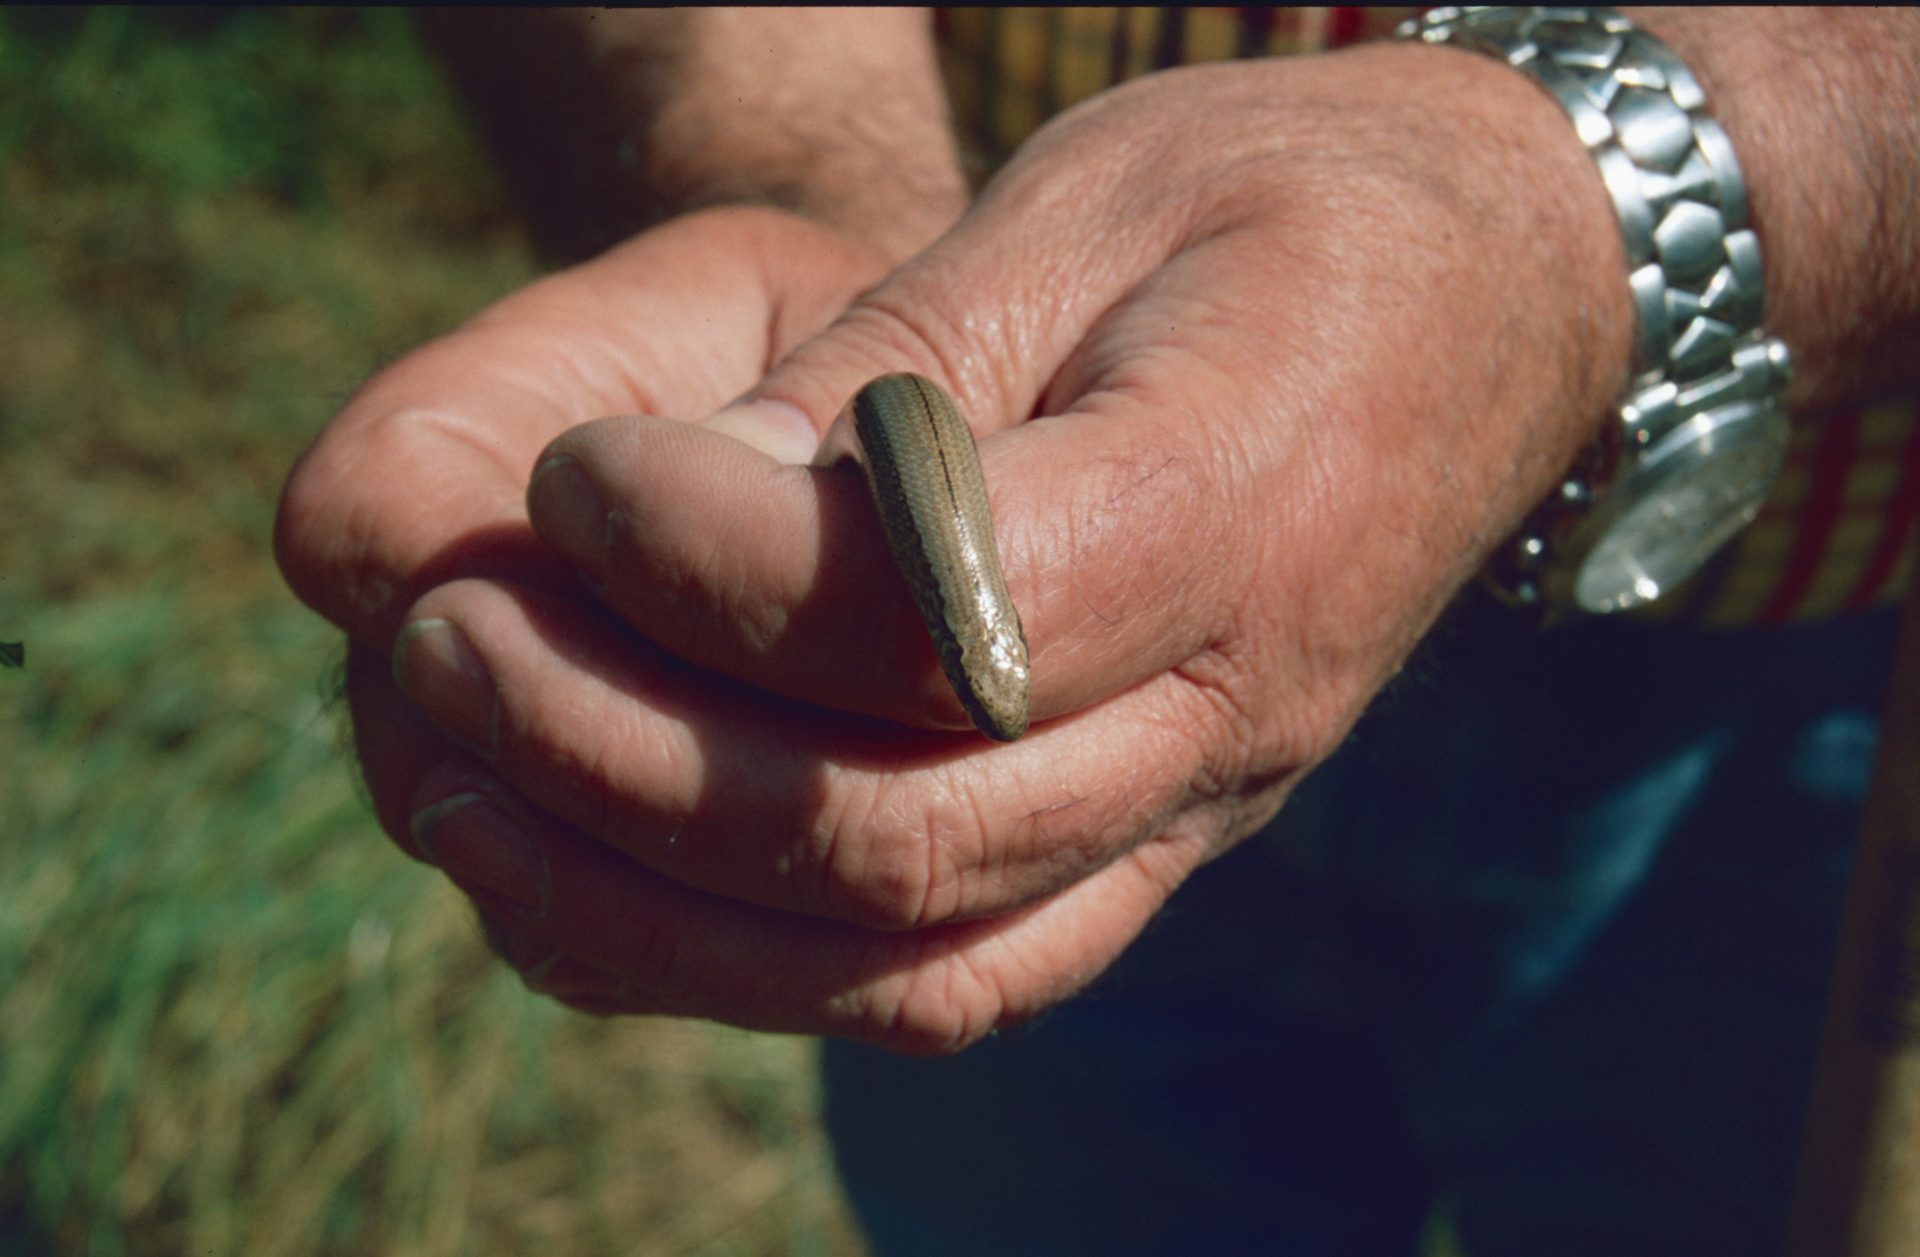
(896, 858)
(656, 969)
(938, 1011)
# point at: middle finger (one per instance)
(775, 802)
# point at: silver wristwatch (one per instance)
(1699, 434)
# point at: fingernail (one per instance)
(566, 977)
(779, 429)
(436, 666)
(572, 515)
(593, 1005)
(521, 950)
(471, 840)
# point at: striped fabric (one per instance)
(1837, 535)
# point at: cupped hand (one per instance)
(421, 479)
(1265, 357)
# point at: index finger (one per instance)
(422, 477)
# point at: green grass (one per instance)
(233, 1020)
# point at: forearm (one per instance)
(1823, 108)
(610, 121)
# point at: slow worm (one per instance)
(924, 474)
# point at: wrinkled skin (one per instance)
(1251, 411)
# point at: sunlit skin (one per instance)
(1250, 412)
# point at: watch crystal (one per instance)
(1697, 489)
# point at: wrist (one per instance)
(611, 121)
(1830, 184)
(1537, 227)
(837, 114)
(1701, 435)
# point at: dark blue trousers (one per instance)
(1550, 935)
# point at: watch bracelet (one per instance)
(1693, 263)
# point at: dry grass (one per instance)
(232, 1019)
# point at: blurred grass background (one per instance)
(233, 1019)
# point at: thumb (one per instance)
(990, 312)
(773, 574)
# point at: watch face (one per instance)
(1690, 495)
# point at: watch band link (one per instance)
(1681, 201)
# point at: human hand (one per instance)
(1252, 410)
(421, 479)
